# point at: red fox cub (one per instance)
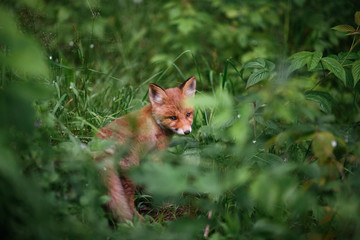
(148, 128)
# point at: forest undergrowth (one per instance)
(275, 149)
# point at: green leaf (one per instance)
(356, 71)
(257, 63)
(344, 28)
(335, 67)
(257, 77)
(324, 99)
(314, 60)
(357, 32)
(357, 18)
(300, 55)
(296, 64)
(269, 65)
(299, 60)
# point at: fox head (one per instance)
(169, 108)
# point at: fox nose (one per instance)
(187, 132)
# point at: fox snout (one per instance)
(182, 131)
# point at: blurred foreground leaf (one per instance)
(20, 53)
(323, 145)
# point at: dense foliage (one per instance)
(275, 149)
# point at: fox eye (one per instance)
(188, 114)
(173, 118)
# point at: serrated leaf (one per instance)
(335, 67)
(357, 18)
(314, 60)
(257, 77)
(296, 64)
(303, 54)
(344, 28)
(299, 60)
(324, 99)
(257, 63)
(355, 70)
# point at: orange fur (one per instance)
(148, 128)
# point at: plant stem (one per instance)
(353, 45)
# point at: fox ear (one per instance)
(156, 94)
(188, 88)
